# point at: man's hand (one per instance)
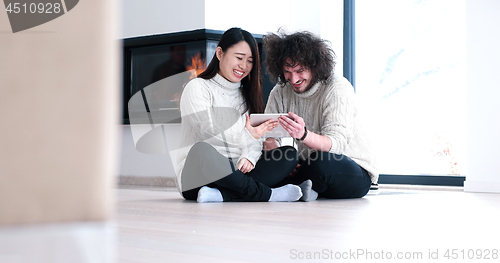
(296, 129)
(259, 131)
(244, 165)
(294, 126)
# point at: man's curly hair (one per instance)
(301, 48)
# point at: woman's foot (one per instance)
(207, 194)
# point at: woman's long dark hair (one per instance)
(251, 84)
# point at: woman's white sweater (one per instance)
(213, 111)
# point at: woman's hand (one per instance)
(294, 126)
(259, 131)
(244, 165)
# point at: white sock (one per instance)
(286, 193)
(308, 194)
(207, 194)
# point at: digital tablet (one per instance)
(258, 118)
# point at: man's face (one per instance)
(299, 76)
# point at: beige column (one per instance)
(59, 117)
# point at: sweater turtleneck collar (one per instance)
(307, 93)
(226, 84)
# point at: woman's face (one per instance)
(236, 63)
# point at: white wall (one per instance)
(134, 163)
(322, 17)
(483, 93)
(147, 17)
(263, 16)
(332, 29)
(150, 17)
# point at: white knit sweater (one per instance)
(330, 111)
(205, 106)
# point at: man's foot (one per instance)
(308, 194)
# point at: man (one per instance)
(334, 152)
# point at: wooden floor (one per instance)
(157, 225)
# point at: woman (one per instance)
(220, 160)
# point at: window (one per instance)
(411, 83)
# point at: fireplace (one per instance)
(156, 68)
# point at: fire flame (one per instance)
(198, 64)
